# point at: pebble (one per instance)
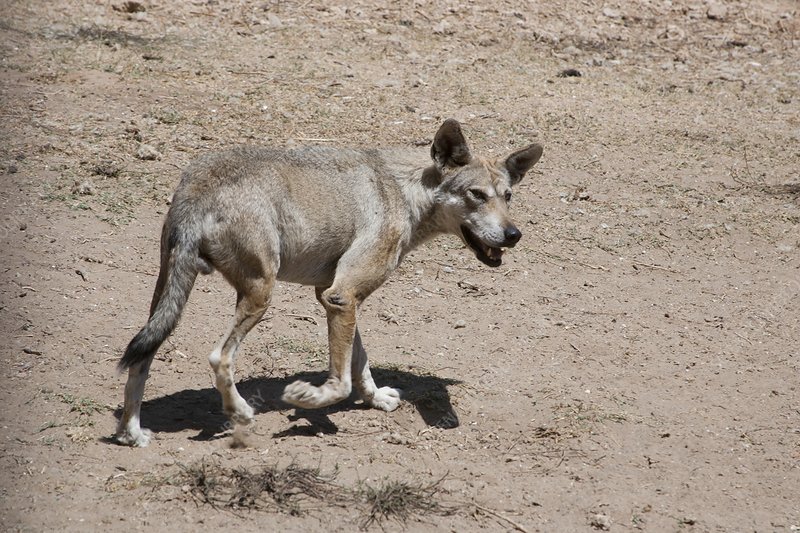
(461, 323)
(147, 153)
(396, 438)
(570, 73)
(717, 12)
(601, 521)
(85, 188)
(442, 28)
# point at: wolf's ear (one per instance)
(521, 162)
(449, 148)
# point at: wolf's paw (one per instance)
(307, 396)
(240, 412)
(385, 399)
(138, 437)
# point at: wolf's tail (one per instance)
(179, 269)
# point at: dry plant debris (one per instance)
(297, 490)
(288, 489)
(400, 501)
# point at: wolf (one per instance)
(340, 220)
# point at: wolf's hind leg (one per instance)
(129, 430)
(252, 301)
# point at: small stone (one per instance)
(443, 28)
(397, 438)
(134, 131)
(461, 323)
(717, 12)
(106, 168)
(570, 73)
(571, 51)
(85, 188)
(611, 13)
(147, 153)
(12, 169)
(601, 522)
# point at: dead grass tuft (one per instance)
(284, 487)
(287, 489)
(202, 481)
(294, 490)
(400, 501)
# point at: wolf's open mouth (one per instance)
(488, 255)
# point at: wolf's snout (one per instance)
(512, 235)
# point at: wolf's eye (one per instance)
(477, 195)
(508, 196)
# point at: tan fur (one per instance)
(338, 219)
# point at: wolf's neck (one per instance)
(419, 190)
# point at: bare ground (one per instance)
(632, 365)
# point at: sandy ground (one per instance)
(633, 365)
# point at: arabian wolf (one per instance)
(338, 219)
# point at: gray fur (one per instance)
(338, 219)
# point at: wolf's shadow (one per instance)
(201, 409)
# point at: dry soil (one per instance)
(633, 365)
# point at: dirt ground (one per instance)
(633, 365)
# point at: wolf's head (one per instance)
(474, 193)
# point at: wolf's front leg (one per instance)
(384, 398)
(341, 310)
